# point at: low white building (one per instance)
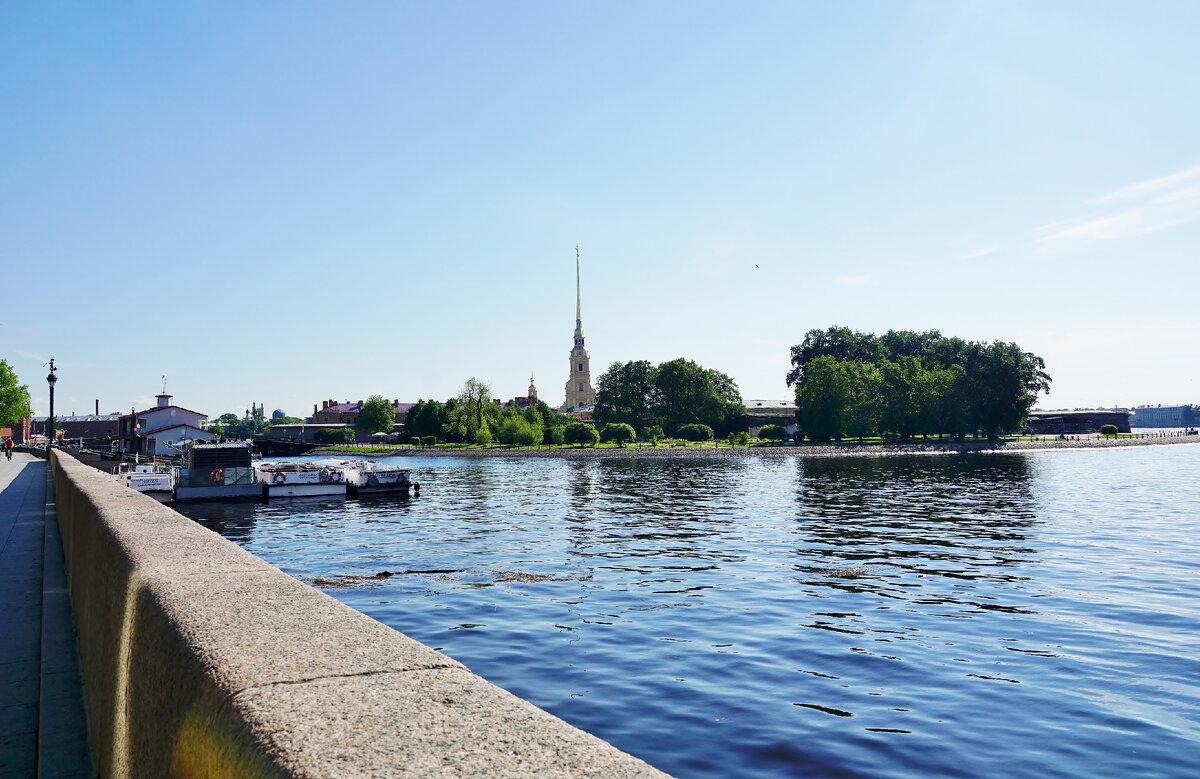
(151, 431)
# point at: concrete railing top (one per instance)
(199, 659)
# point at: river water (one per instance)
(1032, 614)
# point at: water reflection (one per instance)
(897, 617)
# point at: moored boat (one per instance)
(371, 477)
(150, 479)
(295, 480)
(218, 472)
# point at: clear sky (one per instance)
(288, 202)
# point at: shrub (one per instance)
(653, 434)
(482, 436)
(738, 439)
(1108, 429)
(429, 440)
(695, 432)
(618, 432)
(329, 435)
(554, 435)
(773, 433)
(581, 433)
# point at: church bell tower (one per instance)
(579, 386)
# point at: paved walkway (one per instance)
(43, 732)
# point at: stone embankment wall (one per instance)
(201, 660)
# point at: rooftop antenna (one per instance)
(164, 381)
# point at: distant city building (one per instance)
(278, 414)
(528, 401)
(155, 430)
(345, 413)
(580, 395)
(1165, 416)
(1075, 422)
(760, 413)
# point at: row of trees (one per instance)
(473, 416)
(905, 383)
(674, 394)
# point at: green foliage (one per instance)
(426, 418)
(627, 392)
(772, 433)
(330, 435)
(468, 413)
(653, 434)
(284, 421)
(482, 435)
(554, 435)
(581, 433)
(243, 426)
(429, 440)
(520, 429)
(695, 432)
(676, 392)
(376, 416)
(1108, 429)
(618, 433)
(901, 404)
(909, 383)
(822, 399)
(738, 438)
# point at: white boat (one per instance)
(156, 481)
(294, 480)
(371, 477)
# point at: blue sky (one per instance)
(282, 203)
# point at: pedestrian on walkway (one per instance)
(8, 448)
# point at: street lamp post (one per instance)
(51, 379)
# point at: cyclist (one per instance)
(8, 448)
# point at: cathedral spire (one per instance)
(578, 297)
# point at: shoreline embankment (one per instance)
(802, 451)
(200, 659)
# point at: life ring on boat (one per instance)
(279, 477)
(216, 475)
(335, 475)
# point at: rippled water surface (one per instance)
(985, 615)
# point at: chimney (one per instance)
(314, 408)
(164, 400)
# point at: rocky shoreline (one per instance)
(832, 450)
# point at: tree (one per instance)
(468, 414)
(840, 343)
(581, 433)
(482, 435)
(864, 398)
(554, 435)
(377, 415)
(653, 434)
(626, 392)
(821, 399)
(618, 432)
(687, 392)
(15, 406)
(1003, 383)
(426, 418)
(901, 409)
